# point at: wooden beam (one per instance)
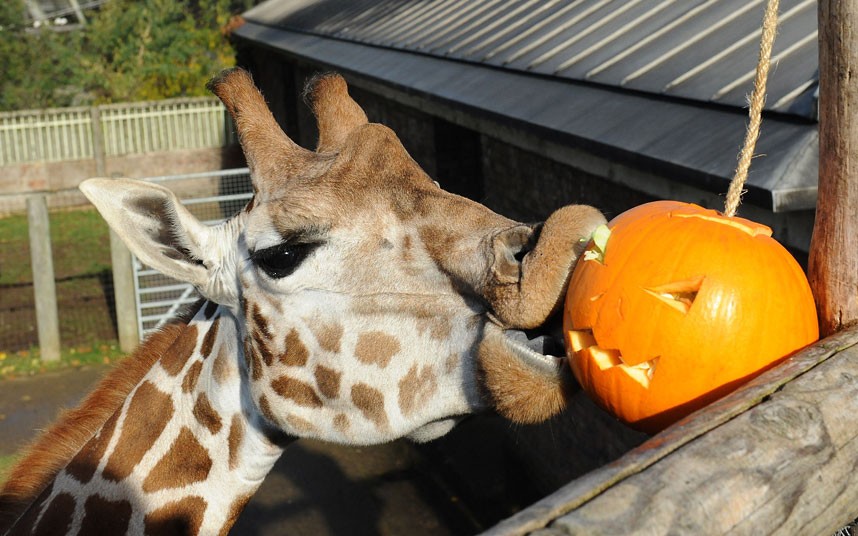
(775, 456)
(833, 261)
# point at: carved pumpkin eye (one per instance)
(680, 294)
(283, 259)
(743, 302)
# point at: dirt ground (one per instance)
(451, 486)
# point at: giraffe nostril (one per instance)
(510, 247)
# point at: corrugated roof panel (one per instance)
(695, 49)
(734, 66)
(602, 28)
(800, 48)
(623, 41)
(514, 30)
(647, 43)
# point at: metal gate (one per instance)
(212, 197)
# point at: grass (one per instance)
(29, 363)
(79, 238)
(81, 258)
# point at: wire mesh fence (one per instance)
(80, 244)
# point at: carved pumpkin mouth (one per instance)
(582, 341)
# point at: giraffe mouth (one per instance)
(541, 348)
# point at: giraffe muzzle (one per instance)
(532, 266)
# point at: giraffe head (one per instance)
(372, 304)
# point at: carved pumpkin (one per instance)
(678, 307)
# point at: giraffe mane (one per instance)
(55, 447)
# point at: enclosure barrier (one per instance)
(79, 133)
(107, 295)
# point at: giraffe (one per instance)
(352, 300)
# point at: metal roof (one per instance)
(704, 50)
(659, 84)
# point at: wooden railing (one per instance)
(130, 128)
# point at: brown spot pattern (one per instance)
(341, 422)
(85, 462)
(451, 363)
(301, 393)
(235, 510)
(175, 358)
(370, 402)
(211, 308)
(148, 413)
(262, 348)
(186, 462)
(376, 348)
(296, 353)
(234, 439)
(95, 522)
(209, 339)
(206, 415)
(415, 387)
(328, 381)
(221, 369)
(189, 382)
(260, 322)
(299, 425)
(254, 365)
(57, 517)
(439, 327)
(329, 336)
(184, 516)
(265, 409)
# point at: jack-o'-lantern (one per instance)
(674, 305)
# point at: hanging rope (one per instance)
(758, 100)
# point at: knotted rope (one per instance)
(757, 101)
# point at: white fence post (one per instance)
(98, 142)
(44, 285)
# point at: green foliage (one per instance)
(130, 50)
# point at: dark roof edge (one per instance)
(644, 133)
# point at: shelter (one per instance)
(532, 104)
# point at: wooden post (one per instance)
(124, 299)
(123, 294)
(833, 261)
(98, 151)
(44, 286)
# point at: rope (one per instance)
(757, 101)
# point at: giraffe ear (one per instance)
(157, 229)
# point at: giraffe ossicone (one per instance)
(353, 300)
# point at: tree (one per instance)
(129, 50)
(38, 65)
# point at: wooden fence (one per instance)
(129, 128)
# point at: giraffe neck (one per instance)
(183, 454)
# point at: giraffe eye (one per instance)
(283, 259)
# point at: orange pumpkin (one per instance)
(681, 306)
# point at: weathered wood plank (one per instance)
(714, 425)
